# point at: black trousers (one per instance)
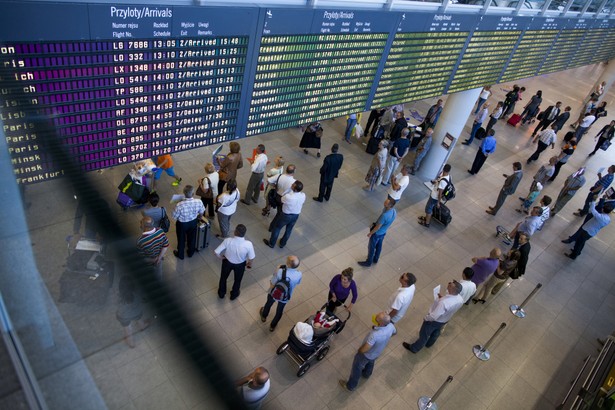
(542, 125)
(490, 124)
(373, 119)
(278, 311)
(541, 147)
(186, 235)
(324, 190)
(227, 268)
(479, 160)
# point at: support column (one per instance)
(455, 114)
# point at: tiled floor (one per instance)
(532, 361)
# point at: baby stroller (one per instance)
(302, 353)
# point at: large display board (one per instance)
(156, 80)
(120, 83)
(315, 65)
(423, 56)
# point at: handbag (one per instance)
(605, 145)
(165, 223)
(205, 194)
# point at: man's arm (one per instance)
(365, 348)
(163, 251)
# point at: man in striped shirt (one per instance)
(152, 245)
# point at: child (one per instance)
(531, 197)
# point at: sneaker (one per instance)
(176, 182)
(365, 263)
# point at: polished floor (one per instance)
(532, 360)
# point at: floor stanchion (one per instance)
(518, 310)
(482, 352)
(429, 403)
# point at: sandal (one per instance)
(424, 224)
(421, 218)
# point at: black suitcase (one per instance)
(442, 214)
(372, 145)
(202, 235)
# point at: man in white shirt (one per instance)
(468, 287)
(186, 214)
(287, 215)
(545, 138)
(435, 198)
(584, 125)
(402, 298)
(237, 254)
(399, 183)
(283, 183)
(442, 310)
(258, 170)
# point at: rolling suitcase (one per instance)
(514, 120)
(442, 215)
(124, 200)
(202, 235)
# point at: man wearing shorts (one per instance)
(435, 198)
(165, 163)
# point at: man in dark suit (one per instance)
(328, 172)
(509, 188)
(561, 119)
(547, 117)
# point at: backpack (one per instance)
(449, 191)
(281, 290)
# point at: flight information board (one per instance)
(607, 44)
(423, 56)
(155, 80)
(534, 46)
(487, 52)
(565, 47)
(591, 44)
(315, 68)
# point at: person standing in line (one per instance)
(186, 214)
(258, 170)
(400, 300)
(485, 266)
(574, 182)
(377, 167)
(567, 151)
(433, 115)
(591, 105)
(440, 312)
(291, 205)
(254, 388)
(531, 107)
(496, 114)
(548, 116)
(540, 177)
(606, 134)
(562, 118)
(468, 288)
(590, 228)
(386, 121)
(152, 245)
(603, 183)
(487, 147)
(421, 150)
(399, 183)
(584, 125)
(328, 172)
(372, 347)
(273, 173)
(435, 197)
(372, 121)
(283, 185)
(237, 254)
(524, 254)
(229, 166)
(154, 211)
(291, 277)
(398, 126)
(209, 188)
(397, 153)
(340, 288)
(351, 122)
(484, 96)
(478, 121)
(527, 227)
(544, 139)
(227, 206)
(378, 231)
(501, 275)
(510, 186)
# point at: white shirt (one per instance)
(587, 121)
(403, 182)
(439, 185)
(214, 178)
(485, 94)
(444, 308)
(400, 301)
(481, 116)
(497, 113)
(548, 136)
(236, 249)
(228, 202)
(292, 203)
(468, 289)
(259, 164)
(286, 181)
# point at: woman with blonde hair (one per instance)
(376, 169)
(208, 188)
(278, 169)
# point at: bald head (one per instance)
(383, 319)
(261, 376)
(147, 223)
(495, 253)
(292, 262)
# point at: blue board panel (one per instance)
(201, 21)
(43, 21)
(503, 23)
(287, 21)
(121, 21)
(414, 22)
(452, 22)
(352, 22)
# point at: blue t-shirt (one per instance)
(294, 277)
(385, 220)
(402, 144)
(378, 339)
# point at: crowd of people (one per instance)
(399, 146)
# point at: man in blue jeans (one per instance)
(478, 121)
(377, 232)
(370, 350)
(439, 314)
(294, 278)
